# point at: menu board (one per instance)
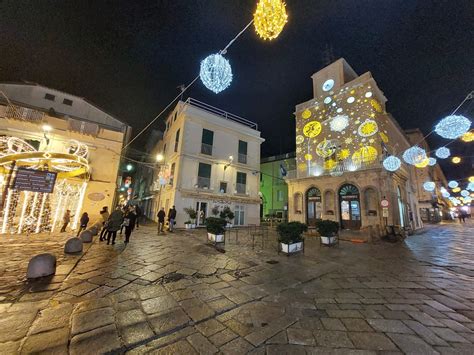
(34, 180)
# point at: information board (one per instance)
(34, 180)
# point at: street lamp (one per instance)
(129, 167)
(159, 157)
(46, 128)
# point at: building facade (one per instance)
(211, 160)
(342, 136)
(51, 131)
(273, 186)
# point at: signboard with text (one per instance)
(35, 180)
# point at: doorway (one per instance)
(313, 206)
(201, 209)
(401, 207)
(349, 202)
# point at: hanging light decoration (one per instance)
(470, 186)
(429, 186)
(471, 179)
(423, 164)
(431, 161)
(216, 73)
(453, 126)
(392, 163)
(414, 155)
(456, 189)
(452, 184)
(269, 18)
(443, 153)
(339, 123)
(464, 193)
(456, 160)
(445, 194)
(468, 136)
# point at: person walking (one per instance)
(171, 218)
(138, 213)
(66, 219)
(113, 225)
(104, 213)
(83, 223)
(129, 222)
(161, 220)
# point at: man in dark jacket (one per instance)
(138, 213)
(129, 223)
(171, 218)
(84, 222)
(161, 220)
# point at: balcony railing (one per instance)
(206, 149)
(203, 182)
(241, 188)
(243, 158)
(23, 113)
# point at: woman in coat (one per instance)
(84, 222)
(113, 225)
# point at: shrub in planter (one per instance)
(290, 236)
(228, 215)
(215, 229)
(327, 230)
(215, 211)
(192, 216)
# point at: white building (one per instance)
(211, 160)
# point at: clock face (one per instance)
(312, 129)
(328, 85)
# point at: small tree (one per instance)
(191, 213)
(227, 214)
(215, 211)
(291, 232)
(215, 225)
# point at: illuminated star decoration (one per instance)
(216, 73)
(392, 163)
(443, 152)
(339, 123)
(453, 126)
(429, 186)
(452, 184)
(414, 155)
(269, 18)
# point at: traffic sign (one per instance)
(384, 203)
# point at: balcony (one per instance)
(203, 182)
(242, 158)
(241, 188)
(206, 149)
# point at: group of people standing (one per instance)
(126, 218)
(171, 219)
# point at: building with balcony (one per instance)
(49, 131)
(342, 136)
(211, 159)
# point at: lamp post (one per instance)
(159, 160)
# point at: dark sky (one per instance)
(129, 56)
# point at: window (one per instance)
(67, 102)
(164, 149)
(172, 173)
(279, 195)
(241, 185)
(176, 142)
(204, 176)
(175, 116)
(242, 152)
(239, 219)
(206, 141)
(34, 143)
(223, 187)
(49, 97)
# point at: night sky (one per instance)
(129, 56)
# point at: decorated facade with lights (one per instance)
(46, 130)
(342, 137)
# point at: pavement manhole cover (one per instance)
(173, 277)
(272, 262)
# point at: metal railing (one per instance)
(206, 149)
(23, 113)
(221, 113)
(242, 158)
(241, 188)
(203, 182)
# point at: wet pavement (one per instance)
(173, 294)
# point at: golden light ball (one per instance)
(456, 160)
(468, 137)
(269, 18)
(312, 129)
(306, 114)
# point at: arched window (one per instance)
(401, 207)
(349, 207)
(370, 201)
(172, 173)
(298, 202)
(313, 205)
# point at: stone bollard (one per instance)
(86, 237)
(93, 230)
(73, 245)
(41, 265)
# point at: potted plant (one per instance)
(228, 216)
(290, 237)
(327, 230)
(191, 223)
(215, 211)
(215, 229)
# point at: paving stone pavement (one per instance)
(173, 294)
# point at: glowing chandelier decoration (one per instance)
(429, 186)
(443, 153)
(216, 73)
(392, 163)
(269, 18)
(445, 194)
(339, 123)
(452, 184)
(464, 193)
(423, 164)
(414, 155)
(431, 161)
(453, 126)
(470, 186)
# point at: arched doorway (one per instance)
(313, 206)
(401, 207)
(349, 202)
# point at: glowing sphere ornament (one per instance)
(452, 184)
(414, 155)
(456, 189)
(312, 129)
(392, 163)
(429, 186)
(470, 186)
(299, 139)
(368, 128)
(453, 126)
(443, 153)
(269, 18)
(216, 73)
(339, 123)
(423, 164)
(445, 194)
(468, 137)
(306, 114)
(431, 161)
(456, 160)
(464, 193)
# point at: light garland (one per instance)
(423, 164)
(464, 193)
(470, 186)
(216, 73)
(443, 153)
(453, 126)
(269, 18)
(452, 184)
(431, 161)
(445, 194)
(392, 163)
(429, 186)
(339, 123)
(456, 160)
(468, 137)
(414, 155)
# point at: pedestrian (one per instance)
(66, 219)
(129, 222)
(104, 213)
(113, 225)
(171, 218)
(138, 213)
(124, 212)
(161, 220)
(83, 223)
(463, 216)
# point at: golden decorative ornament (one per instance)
(423, 164)
(298, 150)
(326, 148)
(468, 137)
(269, 18)
(330, 164)
(312, 129)
(456, 160)
(343, 154)
(471, 179)
(308, 157)
(368, 128)
(302, 166)
(366, 154)
(383, 137)
(456, 189)
(306, 114)
(376, 105)
(299, 139)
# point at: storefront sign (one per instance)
(34, 180)
(385, 212)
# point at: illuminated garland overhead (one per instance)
(216, 73)
(414, 155)
(429, 186)
(452, 184)
(453, 126)
(269, 18)
(443, 153)
(392, 163)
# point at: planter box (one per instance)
(291, 248)
(188, 226)
(229, 225)
(215, 238)
(329, 240)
